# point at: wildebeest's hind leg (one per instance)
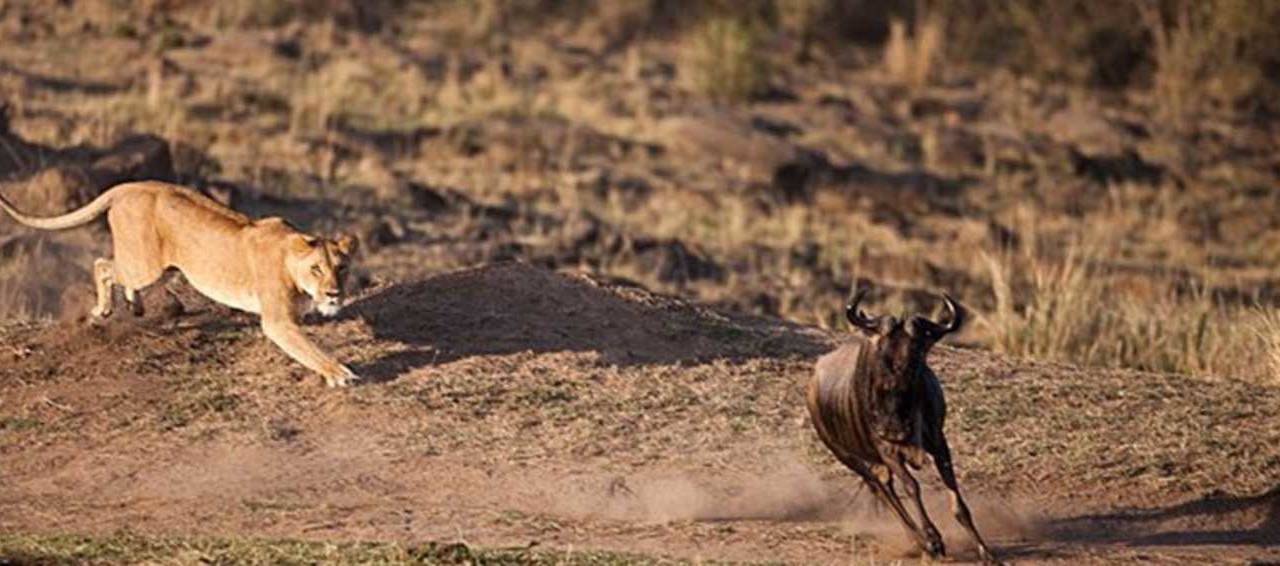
(933, 540)
(942, 459)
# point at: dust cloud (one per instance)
(787, 491)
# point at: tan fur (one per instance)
(261, 266)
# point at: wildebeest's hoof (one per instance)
(935, 549)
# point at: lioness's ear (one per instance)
(347, 244)
(300, 244)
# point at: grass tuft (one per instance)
(724, 60)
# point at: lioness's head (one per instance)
(319, 268)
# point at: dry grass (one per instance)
(33, 280)
(372, 94)
(255, 13)
(803, 18)
(1073, 310)
(1209, 52)
(17, 301)
(725, 60)
(910, 59)
(1267, 328)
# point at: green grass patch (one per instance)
(127, 548)
(18, 424)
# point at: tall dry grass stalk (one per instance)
(1266, 327)
(911, 59)
(1181, 49)
(1056, 322)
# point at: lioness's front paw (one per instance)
(343, 378)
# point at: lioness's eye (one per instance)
(315, 269)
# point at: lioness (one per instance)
(260, 266)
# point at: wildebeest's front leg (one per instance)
(942, 459)
(932, 540)
(891, 497)
(884, 492)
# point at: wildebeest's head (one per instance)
(902, 345)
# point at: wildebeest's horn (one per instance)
(958, 315)
(954, 319)
(855, 315)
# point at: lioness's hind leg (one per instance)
(135, 273)
(104, 277)
(134, 300)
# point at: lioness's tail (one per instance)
(78, 217)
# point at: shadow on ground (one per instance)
(513, 307)
(1224, 520)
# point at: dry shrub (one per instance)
(255, 13)
(506, 18)
(1190, 52)
(1081, 41)
(724, 60)
(802, 18)
(34, 276)
(619, 22)
(376, 94)
(1072, 310)
(834, 24)
(910, 59)
(1210, 52)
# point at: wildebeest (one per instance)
(879, 408)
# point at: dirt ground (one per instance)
(510, 405)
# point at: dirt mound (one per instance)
(514, 307)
